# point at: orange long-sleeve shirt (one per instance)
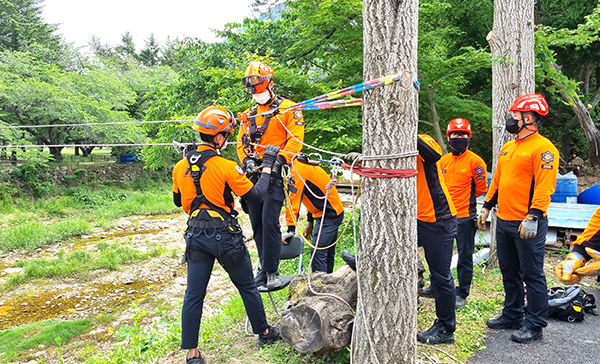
(466, 179)
(275, 134)
(433, 200)
(590, 238)
(219, 179)
(315, 178)
(524, 178)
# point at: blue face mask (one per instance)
(459, 145)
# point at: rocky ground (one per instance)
(162, 278)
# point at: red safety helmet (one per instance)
(257, 77)
(458, 124)
(214, 120)
(531, 102)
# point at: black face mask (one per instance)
(459, 145)
(512, 126)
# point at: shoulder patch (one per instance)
(443, 171)
(298, 114)
(547, 157)
(479, 170)
(503, 153)
(547, 166)
(239, 169)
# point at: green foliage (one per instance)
(31, 235)
(30, 336)
(144, 342)
(35, 178)
(79, 261)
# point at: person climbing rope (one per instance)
(267, 129)
(203, 183)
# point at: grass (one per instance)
(27, 226)
(109, 257)
(21, 339)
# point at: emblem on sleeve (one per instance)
(240, 170)
(547, 157)
(479, 170)
(298, 115)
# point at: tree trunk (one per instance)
(586, 71)
(320, 324)
(592, 135)
(386, 324)
(77, 151)
(435, 123)
(513, 74)
(56, 153)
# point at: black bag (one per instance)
(570, 304)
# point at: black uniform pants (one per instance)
(437, 239)
(226, 248)
(465, 242)
(523, 261)
(264, 218)
(325, 258)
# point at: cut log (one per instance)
(320, 324)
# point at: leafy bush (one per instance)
(35, 177)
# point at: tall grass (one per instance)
(23, 338)
(27, 226)
(80, 261)
(29, 236)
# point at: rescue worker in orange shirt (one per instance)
(523, 181)
(436, 228)
(203, 183)
(285, 130)
(311, 183)
(465, 175)
(585, 249)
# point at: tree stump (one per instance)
(320, 324)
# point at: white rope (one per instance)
(91, 124)
(84, 145)
(352, 155)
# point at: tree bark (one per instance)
(592, 135)
(513, 72)
(386, 324)
(586, 71)
(320, 324)
(56, 153)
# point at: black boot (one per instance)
(269, 338)
(350, 259)
(260, 278)
(437, 334)
(196, 360)
(427, 292)
(525, 335)
(502, 323)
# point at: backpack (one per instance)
(570, 304)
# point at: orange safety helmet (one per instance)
(214, 120)
(458, 124)
(531, 102)
(257, 77)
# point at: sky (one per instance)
(78, 20)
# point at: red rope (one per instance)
(381, 172)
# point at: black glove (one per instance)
(276, 170)
(292, 229)
(249, 164)
(269, 156)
